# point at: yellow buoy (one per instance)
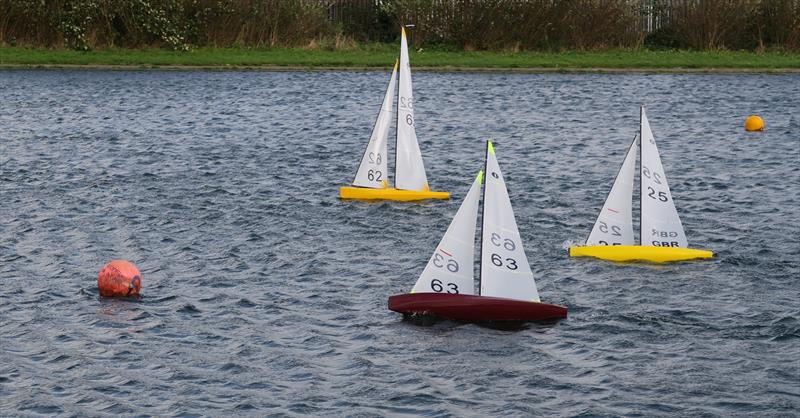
(754, 123)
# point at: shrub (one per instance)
(461, 24)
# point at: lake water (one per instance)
(263, 294)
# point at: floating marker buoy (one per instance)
(119, 278)
(754, 123)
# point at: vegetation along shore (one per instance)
(539, 35)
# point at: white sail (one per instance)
(504, 266)
(614, 225)
(372, 170)
(661, 225)
(450, 268)
(409, 169)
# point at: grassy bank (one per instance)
(382, 56)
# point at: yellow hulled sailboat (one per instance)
(411, 182)
(661, 235)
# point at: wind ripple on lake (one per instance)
(264, 294)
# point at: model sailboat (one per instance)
(661, 235)
(411, 182)
(506, 290)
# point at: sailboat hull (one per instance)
(639, 253)
(473, 308)
(364, 193)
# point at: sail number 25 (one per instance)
(652, 193)
(656, 177)
(614, 230)
(651, 175)
(603, 227)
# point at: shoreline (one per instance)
(443, 69)
(380, 57)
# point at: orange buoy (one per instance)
(119, 278)
(754, 123)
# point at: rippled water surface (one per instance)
(264, 294)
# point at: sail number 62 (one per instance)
(374, 158)
(406, 102)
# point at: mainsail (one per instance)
(504, 266)
(614, 225)
(372, 170)
(661, 226)
(409, 168)
(450, 268)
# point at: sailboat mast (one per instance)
(397, 120)
(641, 181)
(483, 210)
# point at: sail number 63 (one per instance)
(508, 244)
(437, 286)
(439, 261)
(509, 262)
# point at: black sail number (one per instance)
(601, 242)
(438, 287)
(511, 264)
(508, 262)
(652, 193)
(374, 175)
(406, 103)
